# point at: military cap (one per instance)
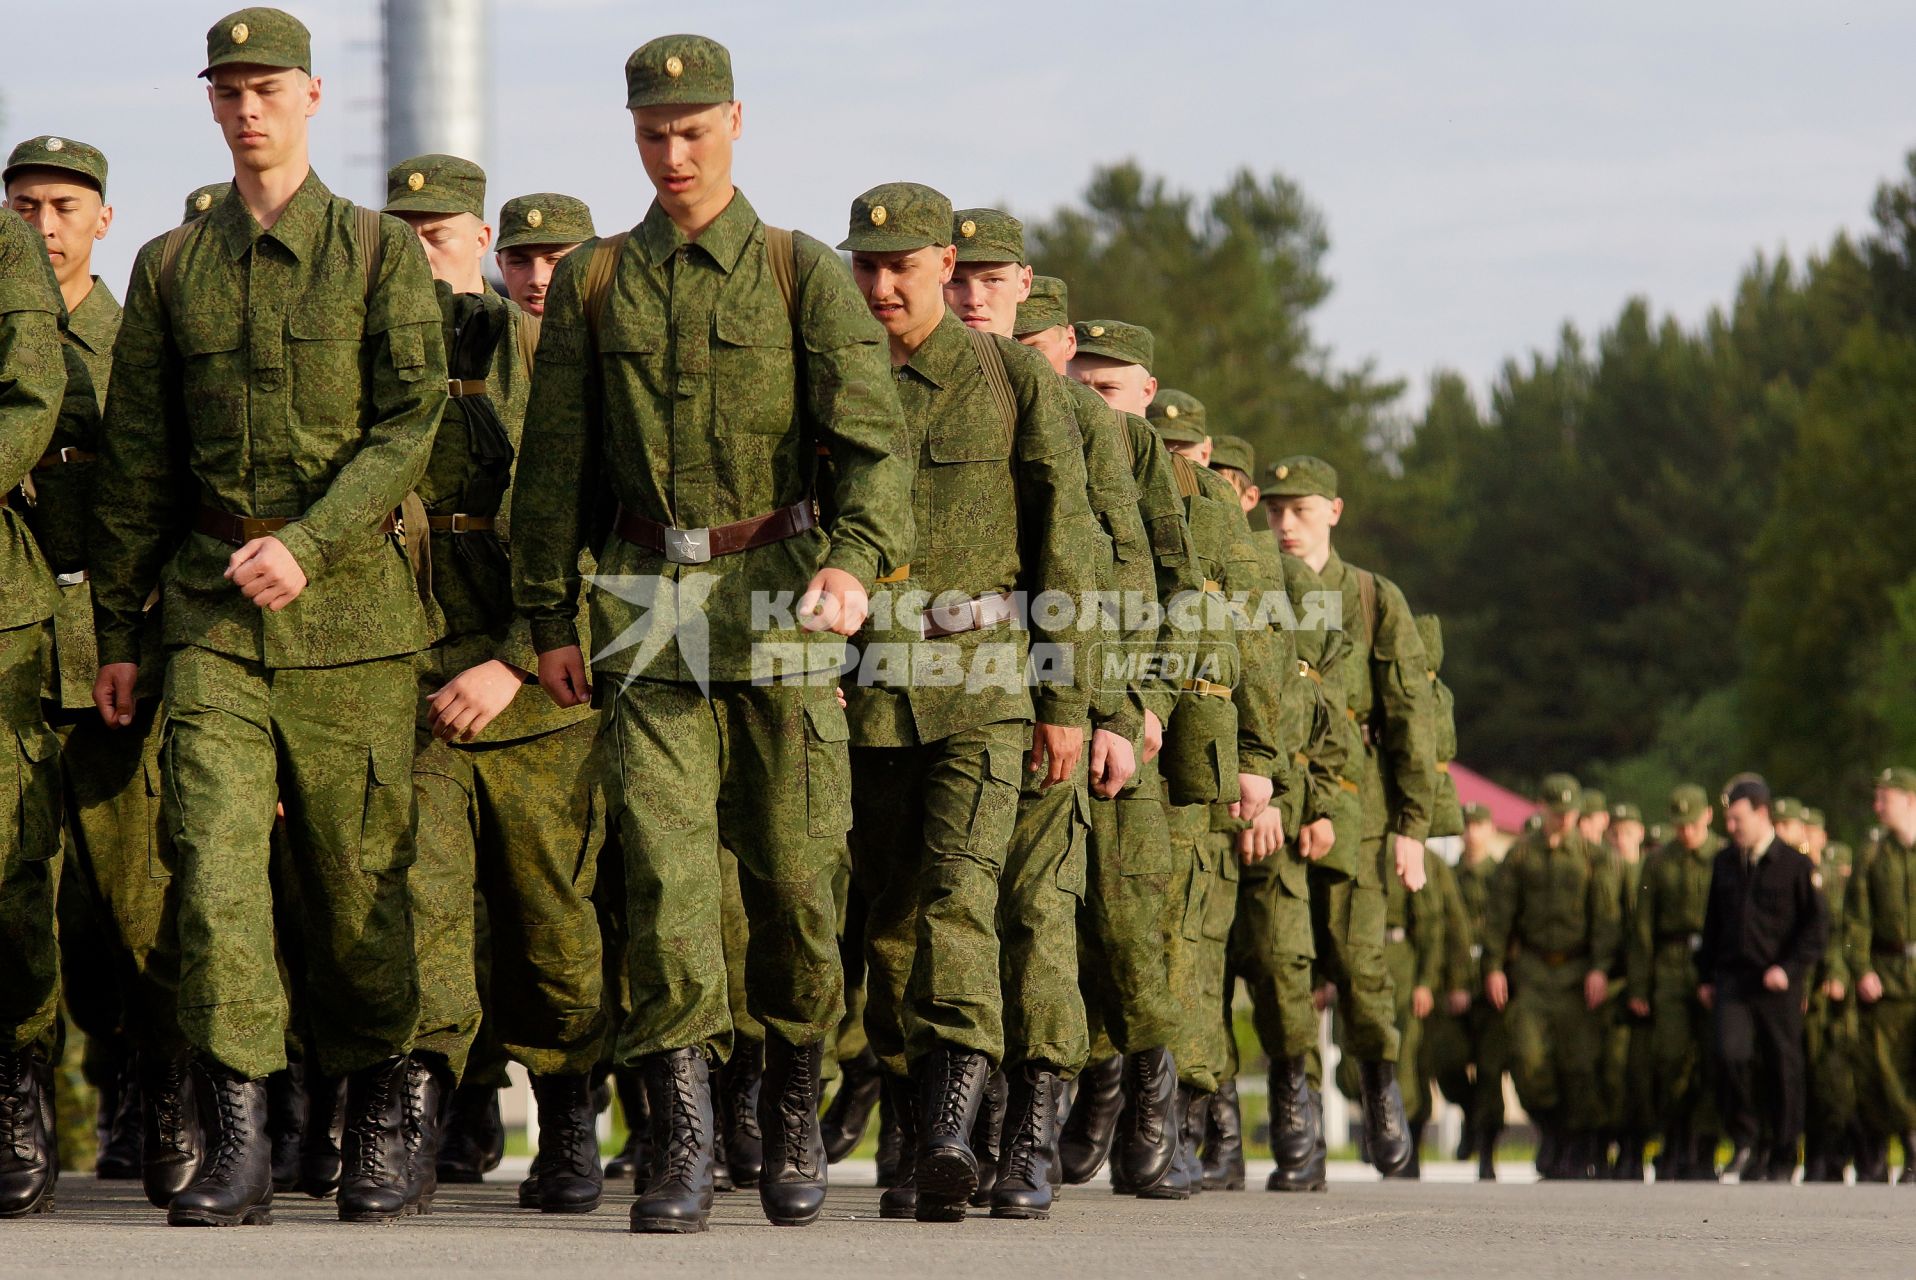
(1116, 340)
(544, 218)
(1897, 778)
(200, 200)
(988, 235)
(1688, 802)
(1813, 817)
(1560, 793)
(1625, 813)
(1594, 802)
(1048, 307)
(50, 151)
(898, 217)
(1533, 823)
(436, 184)
(1234, 452)
(260, 38)
(678, 71)
(1476, 813)
(1178, 416)
(1657, 834)
(1300, 476)
(1786, 809)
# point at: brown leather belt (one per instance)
(54, 457)
(1443, 766)
(1907, 950)
(697, 546)
(1208, 688)
(459, 522)
(1555, 958)
(237, 531)
(465, 386)
(966, 615)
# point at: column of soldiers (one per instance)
(309, 858)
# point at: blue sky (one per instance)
(1487, 170)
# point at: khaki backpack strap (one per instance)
(599, 270)
(417, 537)
(784, 262)
(1367, 601)
(371, 245)
(992, 362)
(1186, 472)
(526, 329)
(170, 260)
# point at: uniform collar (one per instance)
(297, 229)
(96, 319)
(1333, 571)
(724, 241)
(940, 357)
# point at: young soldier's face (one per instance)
(1128, 388)
(1591, 826)
(1056, 344)
(1627, 836)
(905, 291)
(1304, 524)
(1477, 836)
(1198, 451)
(1815, 840)
(986, 294)
(262, 112)
(1790, 832)
(69, 215)
(1693, 834)
(455, 245)
(687, 151)
(527, 270)
(1240, 485)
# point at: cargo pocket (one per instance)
(386, 840)
(1144, 846)
(828, 768)
(37, 792)
(1220, 903)
(1072, 868)
(159, 840)
(1001, 767)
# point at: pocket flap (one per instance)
(753, 327)
(983, 439)
(828, 721)
(203, 332)
(623, 330)
(328, 320)
(38, 743)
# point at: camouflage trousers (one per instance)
(1831, 1041)
(522, 822)
(760, 770)
(1887, 1093)
(118, 935)
(1400, 961)
(1122, 969)
(1683, 1052)
(1629, 1076)
(1468, 1057)
(1040, 894)
(934, 823)
(1272, 951)
(1203, 902)
(1556, 1044)
(29, 845)
(334, 745)
(1347, 919)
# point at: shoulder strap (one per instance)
(527, 332)
(992, 362)
(371, 245)
(784, 262)
(1186, 472)
(170, 260)
(599, 269)
(1367, 599)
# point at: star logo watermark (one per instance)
(667, 611)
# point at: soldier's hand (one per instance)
(1253, 795)
(471, 700)
(1322, 997)
(1869, 988)
(113, 693)
(1775, 978)
(1639, 1006)
(1834, 991)
(1596, 988)
(1113, 762)
(1458, 1002)
(1422, 1002)
(1264, 837)
(1706, 996)
(1054, 751)
(1497, 990)
(1316, 839)
(266, 573)
(1410, 861)
(1153, 736)
(562, 676)
(833, 601)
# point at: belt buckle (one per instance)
(67, 452)
(73, 579)
(459, 523)
(1696, 942)
(950, 619)
(1397, 934)
(1476, 951)
(688, 546)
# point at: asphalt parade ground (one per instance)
(1445, 1226)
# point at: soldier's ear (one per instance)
(312, 96)
(1337, 511)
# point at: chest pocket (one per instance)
(969, 494)
(754, 386)
(323, 339)
(633, 342)
(213, 378)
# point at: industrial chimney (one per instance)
(436, 65)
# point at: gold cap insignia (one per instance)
(56, 144)
(1097, 331)
(203, 201)
(240, 32)
(675, 66)
(1170, 410)
(534, 218)
(1283, 473)
(414, 181)
(878, 215)
(967, 228)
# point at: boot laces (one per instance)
(367, 1126)
(565, 1145)
(794, 1111)
(951, 1100)
(682, 1138)
(1142, 1069)
(230, 1099)
(16, 1107)
(169, 1106)
(1022, 1146)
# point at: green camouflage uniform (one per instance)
(1880, 938)
(1830, 1028)
(1631, 1073)
(1665, 931)
(1416, 955)
(32, 382)
(1470, 1053)
(282, 378)
(697, 400)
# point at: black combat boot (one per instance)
(1224, 1141)
(320, 1152)
(474, 1140)
(375, 1185)
(429, 1087)
(569, 1179)
(1629, 1166)
(286, 1122)
(172, 1139)
(630, 1162)
(1413, 1169)
(1185, 1177)
(739, 1082)
(1023, 1186)
(29, 1165)
(986, 1135)
(1148, 1123)
(1702, 1159)
(900, 1100)
(1908, 1175)
(1487, 1153)
(893, 1104)
(1297, 1129)
(1092, 1124)
(1385, 1131)
(791, 1186)
(860, 1082)
(1549, 1149)
(1872, 1157)
(678, 1197)
(235, 1183)
(953, 1091)
(119, 1158)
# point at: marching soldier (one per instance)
(1631, 1073)
(1879, 959)
(1467, 1057)
(1830, 1022)
(536, 232)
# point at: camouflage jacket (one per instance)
(33, 379)
(1560, 903)
(1666, 928)
(1879, 920)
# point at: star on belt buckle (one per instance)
(688, 546)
